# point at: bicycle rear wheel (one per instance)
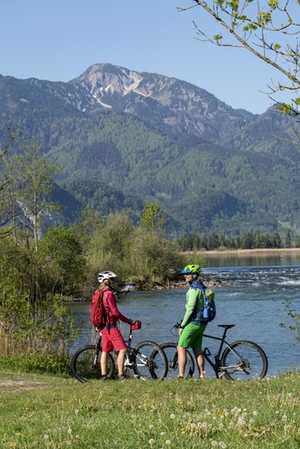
(244, 360)
(85, 364)
(170, 350)
(149, 361)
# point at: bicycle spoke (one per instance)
(170, 350)
(85, 364)
(244, 360)
(150, 362)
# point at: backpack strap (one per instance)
(103, 290)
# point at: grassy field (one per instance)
(52, 412)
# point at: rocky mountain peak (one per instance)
(166, 103)
(103, 79)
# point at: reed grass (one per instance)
(51, 412)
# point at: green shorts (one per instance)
(191, 336)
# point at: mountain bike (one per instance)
(139, 361)
(240, 360)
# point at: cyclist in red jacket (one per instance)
(111, 336)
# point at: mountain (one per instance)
(123, 137)
(168, 104)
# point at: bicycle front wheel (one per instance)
(170, 350)
(149, 361)
(85, 364)
(244, 360)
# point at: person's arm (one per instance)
(114, 312)
(190, 306)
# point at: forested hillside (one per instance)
(238, 173)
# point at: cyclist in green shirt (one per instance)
(192, 328)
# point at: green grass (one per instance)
(39, 411)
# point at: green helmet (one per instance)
(191, 269)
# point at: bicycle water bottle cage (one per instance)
(206, 351)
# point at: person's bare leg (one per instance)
(181, 360)
(103, 363)
(200, 361)
(120, 361)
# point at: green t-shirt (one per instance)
(194, 296)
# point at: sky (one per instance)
(58, 40)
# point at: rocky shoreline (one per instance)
(170, 285)
(178, 284)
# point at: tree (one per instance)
(247, 241)
(62, 262)
(109, 248)
(276, 240)
(153, 258)
(152, 216)
(213, 241)
(31, 180)
(7, 211)
(190, 242)
(297, 242)
(288, 240)
(269, 31)
(132, 252)
(28, 326)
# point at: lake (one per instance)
(253, 302)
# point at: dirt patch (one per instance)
(17, 386)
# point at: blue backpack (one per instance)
(209, 309)
(207, 313)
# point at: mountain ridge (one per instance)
(181, 107)
(150, 137)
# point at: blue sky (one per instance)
(58, 40)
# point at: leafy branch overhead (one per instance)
(269, 31)
(294, 320)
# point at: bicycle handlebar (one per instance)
(135, 325)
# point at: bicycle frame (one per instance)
(216, 365)
(128, 363)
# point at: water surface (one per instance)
(254, 302)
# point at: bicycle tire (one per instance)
(254, 362)
(149, 361)
(170, 350)
(85, 364)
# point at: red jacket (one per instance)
(111, 308)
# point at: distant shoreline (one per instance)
(245, 252)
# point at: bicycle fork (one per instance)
(131, 365)
(96, 359)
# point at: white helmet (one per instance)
(106, 275)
